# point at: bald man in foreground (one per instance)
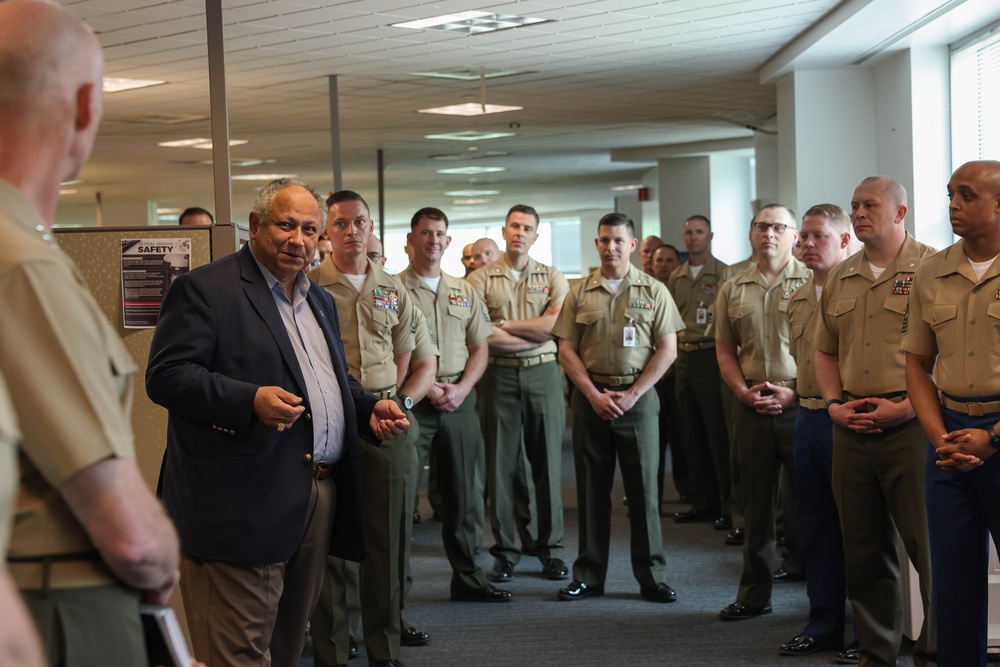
(90, 542)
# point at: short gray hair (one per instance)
(265, 198)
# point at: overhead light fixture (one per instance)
(471, 170)
(164, 211)
(469, 109)
(205, 144)
(472, 154)
(466, 74)
(262, 177)
(621, 188)
(470, 135)
(471, 193)
(471, 202)
(112, 84)
(250, 162)
(77, 181)
(67, 191)
(470, 23)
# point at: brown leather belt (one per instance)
(385, 392)
(449, 379)
(523, 362)
(613, 380)
(59, 571)
(694, 347)
(812, 402)
(971, 408)
(323, 471)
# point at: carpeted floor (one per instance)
(617, 629)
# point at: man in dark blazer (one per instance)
(262, 459)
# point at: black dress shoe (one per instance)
(555, 569)
(413, 637)
(487, 593)
(849, 655)
(724, 522)
(392, 662)
(783, 576)
(416, 517)
(804, 645)
(738, 611)
(352, 648)
(503, 570)
(695, 516)
(734, 538)
(577, 591)
(658, 593)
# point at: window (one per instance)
(975, 98)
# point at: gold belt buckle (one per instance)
(975, 409)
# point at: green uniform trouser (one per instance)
(634, 439)
(729, 404)
(706, 438)
(764, 443)
(87, 627)
(384, 498)
(524, 403)
(878, 483)
(459, 444)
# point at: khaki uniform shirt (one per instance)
(861, 320)
(540, 286)
(956, 317)
(695, 297)
(376, 323)
(753, 316)
(455, 316)
(423, 344)
(800, 311)
(74, 384)
(9, 436)
(595, 318)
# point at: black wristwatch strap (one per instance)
(994, 437)
(833, 401)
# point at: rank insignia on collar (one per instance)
(456, 298)
(901, 287)
(641, 305)
(386, 298)
(538, 289)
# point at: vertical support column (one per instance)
(338, 172)
(224, 238)
(381, 194)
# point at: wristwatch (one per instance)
(406, 401)
(499, 323)
(994, 437)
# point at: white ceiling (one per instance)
(604, 74)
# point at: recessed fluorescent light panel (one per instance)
(470, 23)
(470, 135)
(262, 177)
(471, 193)
(471, 154)
(205, 144)
(469, 109)
(67, 191)
(471, 170)
(466, 74)
(622, 188)
(113, 84)
(470, 202)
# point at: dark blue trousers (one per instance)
(963, 510)
(822, 542)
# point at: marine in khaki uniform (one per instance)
(823, 241)
(752, 332)
(377, 327)
(694, 287)
(879, 449)
(953, 308)
(83, 571)
(460, 326)
(521, 397)
(617, 332)
(19, 644)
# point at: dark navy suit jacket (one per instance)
(237, 489)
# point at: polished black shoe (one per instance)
(849, 655)
(783, 576)
(658, 593)
(352, 648)
(416, 517)
(734, 538)
(695, 516)
(487, 593)
(577, 591)
(804, 645)
(724, 522)
(738, 611)
(413, 637)
(503, 570)
(554, 569)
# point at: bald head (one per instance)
(484, 251)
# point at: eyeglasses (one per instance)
(762, 227)
(374, 256)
